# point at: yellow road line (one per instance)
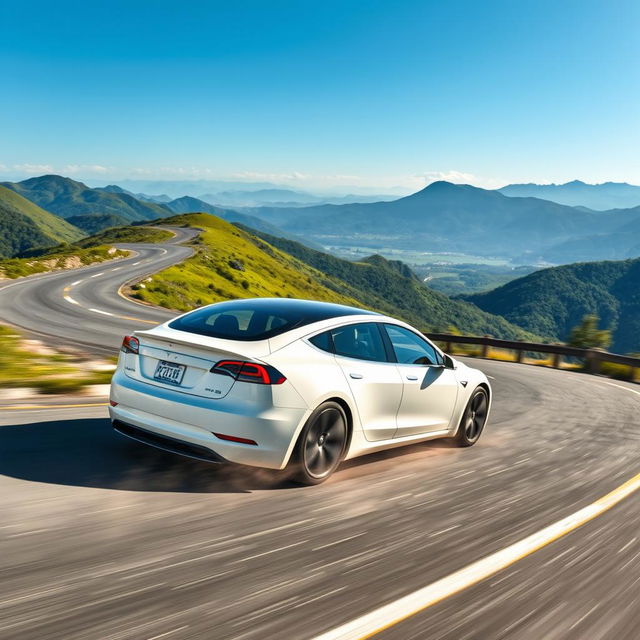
(384, 617)
(24, 407)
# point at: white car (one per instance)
(296, 384)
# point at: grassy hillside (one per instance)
(23, 225)
(126, 234)
(67, 198)
(231, 262)
(553, 301)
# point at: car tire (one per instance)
(473, 419)
(321, 445)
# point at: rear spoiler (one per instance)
(230, 348)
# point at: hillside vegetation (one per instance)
(81, 253)
(126, 234)
(95, 222)
(24, 226)
(232, 262)
(553, 301)
(67, 198)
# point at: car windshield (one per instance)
(257, 319)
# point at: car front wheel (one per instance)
(473, 418)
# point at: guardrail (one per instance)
(591, 357)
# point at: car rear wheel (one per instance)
(473, 418)
(321, 445)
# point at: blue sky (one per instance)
(318, 94)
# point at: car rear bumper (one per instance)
(187, 425)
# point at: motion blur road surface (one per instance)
(106, 539)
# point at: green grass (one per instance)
(126, 234)
(49, 373)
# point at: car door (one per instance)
(429, 389)
(376, 383)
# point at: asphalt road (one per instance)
(106, 539)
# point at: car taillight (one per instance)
(130, 344)
(248, 372)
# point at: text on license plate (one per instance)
(169, 372)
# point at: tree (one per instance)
(587, 335)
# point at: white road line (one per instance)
(166, 633)
(390, 614)
(116, 269)
(104, 313)
(70, 299)
(95, 275)
(73, 284)
(613, 384)
(135, 264)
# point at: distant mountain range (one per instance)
(25, 226)
(454, 218)
(443, 217)
(552, 301)
(608, 195)
(284, 198)
(198, 188)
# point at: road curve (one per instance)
(106, 539)
(82, 307)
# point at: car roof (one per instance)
(313, 309)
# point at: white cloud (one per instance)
(33, 169)
(84, 169)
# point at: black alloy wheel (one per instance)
(473, 418)
(321, 445)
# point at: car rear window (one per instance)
(257, 319)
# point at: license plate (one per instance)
(169, 372)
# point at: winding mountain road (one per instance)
(105, 539)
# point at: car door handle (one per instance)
(412, 377)
(356, 376)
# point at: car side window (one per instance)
(410, 348)
(362, 341)
(322, 341)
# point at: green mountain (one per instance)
(451, 218)
(67, 198)
(94, 222)
(24, 226)
(234, 262)
(553, 301)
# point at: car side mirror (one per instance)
(449, 362)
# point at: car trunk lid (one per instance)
(170, 359)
